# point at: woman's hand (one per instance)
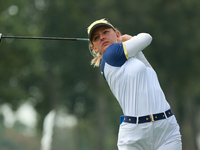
(125, 37)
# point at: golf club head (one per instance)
(0, 37)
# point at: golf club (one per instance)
(42, 38)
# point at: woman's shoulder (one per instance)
(114, 55)
(113, 50)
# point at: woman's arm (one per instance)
(137, 43)
(143, 39)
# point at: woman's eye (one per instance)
(105, 32)
(95, 38)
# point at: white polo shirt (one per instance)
(131, 78)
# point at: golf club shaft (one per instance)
(45, 38)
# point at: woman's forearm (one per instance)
(137, 43)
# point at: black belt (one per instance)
(148, 118)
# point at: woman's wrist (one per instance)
(125, 37)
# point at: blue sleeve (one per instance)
(115, 55)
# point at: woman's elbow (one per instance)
(147, 38)
(146, 35)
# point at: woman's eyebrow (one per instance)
(105, 28)
(96, 33)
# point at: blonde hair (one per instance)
(97, 56)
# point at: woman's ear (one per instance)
(118, 36)
(94, 48)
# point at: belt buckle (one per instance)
(151, 117)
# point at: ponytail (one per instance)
(97, 57)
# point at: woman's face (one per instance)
(103, 37)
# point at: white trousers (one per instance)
(159, 135)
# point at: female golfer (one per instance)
(148, 122)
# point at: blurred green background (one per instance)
(52, 82)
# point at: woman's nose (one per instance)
(102, 36)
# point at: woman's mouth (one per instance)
(105, 43)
